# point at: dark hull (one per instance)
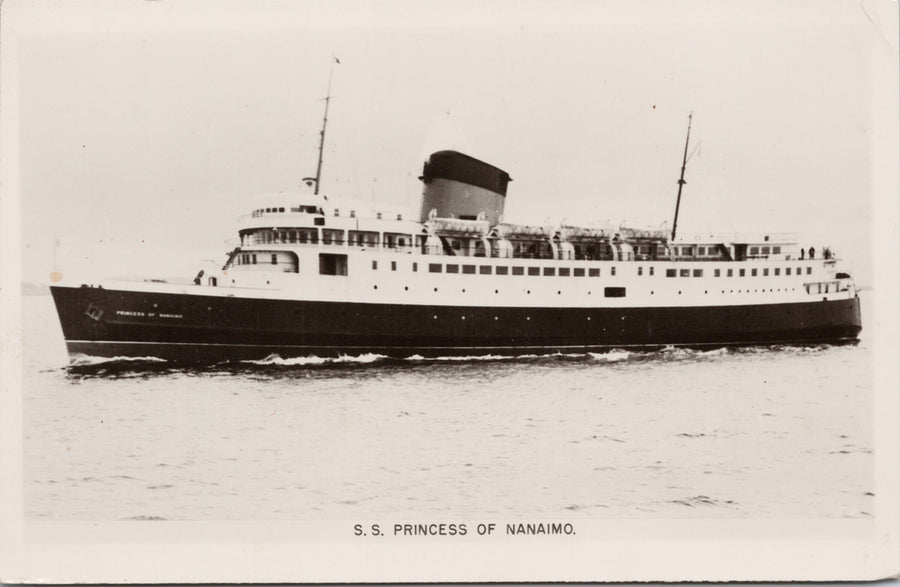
(203, 329)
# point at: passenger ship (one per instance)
(310, 278)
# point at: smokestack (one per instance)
(460, 186)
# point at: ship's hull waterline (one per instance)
(193, 328)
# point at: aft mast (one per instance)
(324, 124)
(681, 181)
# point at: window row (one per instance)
(765, 250)
(730, 272)
(329, 236)
(280, 210)
(515, 270)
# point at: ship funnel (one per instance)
(459, 186)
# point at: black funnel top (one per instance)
(464, 169)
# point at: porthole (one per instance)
(558, 292)
(495, 318)
(435, 316)
(528, 317)
(496, 291)
(405, 288)
(375, 286)
(463, 317)
(464, 290)
(589, 318)
(435, 289)
(528, 291)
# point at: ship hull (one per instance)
(193, 328)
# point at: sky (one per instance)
(145, 128)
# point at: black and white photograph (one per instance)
(449, 292)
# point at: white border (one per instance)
(610, 550)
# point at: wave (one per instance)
(612, 356)
(80, 360)
(87, 364)
(276, 359)
(468, 358)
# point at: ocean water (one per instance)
(781, 432)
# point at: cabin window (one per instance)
(564, 271)
(332, 236)
(518, 271)
(274, 259)
(684, 273)
(686, 251)
(717, 272)
(753, 273)
(698, 272)
(281, 209)
(502, 270)
(332, 264)
(374, 264)
(671, 273)
(594, 272)
(651, 270)
(765, 250)
(213, 281)
(434, 267)
(534, 271)
(484, 269)
(787, 271)
(452, 268)
(701, 250)
(730, 273)
(394, 240)
(612, 270)
(415, 266)
(363, 238)
(742, 272)
(393, 265)
(754, 250)
(777, 271)
(776, 250)
(549, 271)
(578, 272)
(308, 235)
(455, 244)
(614, 292)
(809, 270)
(468, 269)
(765, 272)
(640, 270)
(254, 259)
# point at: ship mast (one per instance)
(324, 123)
(681, 181)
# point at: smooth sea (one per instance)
(778, 432)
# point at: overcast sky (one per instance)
(147, 127)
